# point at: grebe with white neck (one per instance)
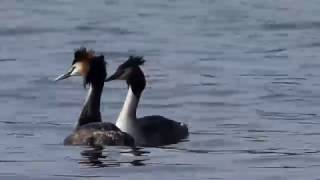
(90, 129)
(152, 130)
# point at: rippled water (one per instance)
(244, 75)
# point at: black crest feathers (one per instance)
(82, 53)
(133, 61)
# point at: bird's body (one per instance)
(99, 134)
(158, 130)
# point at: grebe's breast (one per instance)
(132, 127)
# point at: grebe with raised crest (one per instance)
(152, 130)
(90, 129)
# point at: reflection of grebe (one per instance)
(90, 129)
(97, 157)
(149, 130)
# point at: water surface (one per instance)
(244, 75)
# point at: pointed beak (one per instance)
(114, 76)
(66, 75)
(111, 78)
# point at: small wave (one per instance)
(270, 51)
(286, 83)
(265, 75)
(111, 30)
(208, 75)
(7, 59)
(285, 115)
(291, 26)
(25, 31)
(12, 122)
(213, 104)
(279, 167)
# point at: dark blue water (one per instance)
(244, 75)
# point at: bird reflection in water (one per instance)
(98, 157)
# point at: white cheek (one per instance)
(76, 71)
(125, 75)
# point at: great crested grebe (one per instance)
(90, 130)
(149, 130)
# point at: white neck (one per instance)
(88, 94)
(129, 107)
(127, 120)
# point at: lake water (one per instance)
(244, 75)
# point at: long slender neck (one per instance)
(129, 108)
(136, 85)
(91, 109)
